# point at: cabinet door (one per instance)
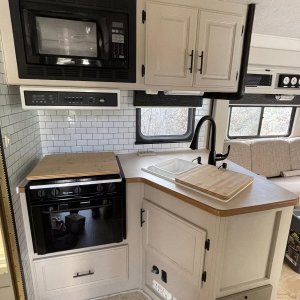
(219, 50)
(175, 241)
(170, 44)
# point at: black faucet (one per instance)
(212, 157)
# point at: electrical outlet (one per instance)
(161, 290)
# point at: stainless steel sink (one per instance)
(170, 169)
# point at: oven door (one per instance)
(73, 224)
(75, 39)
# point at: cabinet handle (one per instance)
(142, 214)
(192, 61)
(83, 274)
(201, 62)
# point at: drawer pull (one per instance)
(83, 274)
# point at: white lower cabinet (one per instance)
(261, 293)
(75, 274)
(174, 253)
(243, 260)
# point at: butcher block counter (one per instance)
(75, 165)
(259, 196)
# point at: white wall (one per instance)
(23, 152)
(277, 17)
(101, 130)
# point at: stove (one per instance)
(72, 213)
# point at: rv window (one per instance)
(260, 122)
(164, 125)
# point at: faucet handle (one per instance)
(221, 156)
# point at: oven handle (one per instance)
(47, 186)
(83, 274)
(75, 208)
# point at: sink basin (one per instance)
(170, 169)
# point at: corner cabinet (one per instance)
(191, 254)
(193, 47)
(174, 252)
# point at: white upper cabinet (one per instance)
(170, 44)
(219, 49)
(194, 47)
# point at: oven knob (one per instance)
(55, 192)
(294, 81)
(111, 188)
(100, 188)
(286, 80)
(77, 190)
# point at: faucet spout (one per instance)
(212, 158)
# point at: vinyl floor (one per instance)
(128, 296)
(289, 285)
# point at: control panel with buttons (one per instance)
(289, 81)
(118, 40)
(63, 99)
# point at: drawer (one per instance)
(101, 267)
(261, 293)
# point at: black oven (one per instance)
(76, 213)
(75, 39)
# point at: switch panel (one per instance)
(60, 98)
(161, 290)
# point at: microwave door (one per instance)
(62, 37)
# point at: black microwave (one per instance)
(90, 40)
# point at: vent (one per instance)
(105, 74)
(89, 73)
(122, 75)
(254, 80)
(72, 72)
(35, 71)
(51, 71)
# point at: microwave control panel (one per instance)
(118, 40)
(289, 81)
(62, 99)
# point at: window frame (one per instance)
(162, 139)
(258, 136)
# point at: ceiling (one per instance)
(276, 17)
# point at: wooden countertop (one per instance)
(261, 195)
(75, 165)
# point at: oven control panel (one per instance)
(60, 190)
(48, 98)
(289, 81)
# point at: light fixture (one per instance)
(184, 93)
(284, 97)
